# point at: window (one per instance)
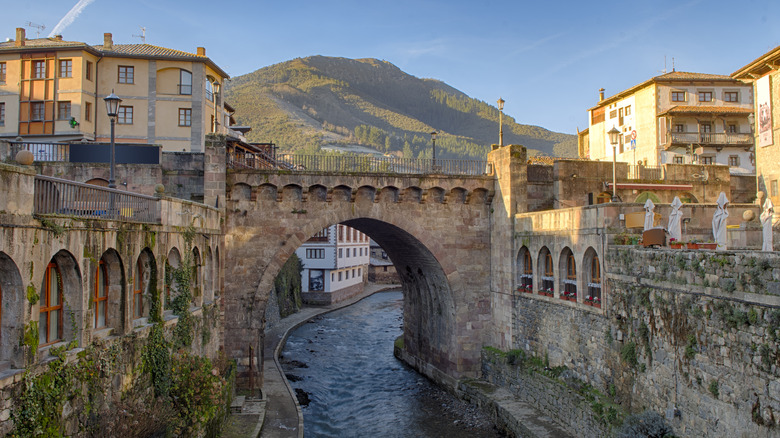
(570, 284)
(678, 96)
(734, 160)
(316, 280)
(126, 74)
(209, 91)
(613, 114)
(594, 285)
(3, 72)
(66, 68)
(679, 159)
(620, 116)
(773, 188)
(705, 96)
(548, 284)
(88, 111)
(38, 69)
(360, 272)
(731, 96)
(185, 82)
(341, 252)
(37, 111)
(185, 116)
(315, 253)
(679, 127)
(138, 290)
(732, 129)
(50, 317)
(2, 113)
(339, 275)
(88, 70)
(63, 110)
(628, 110)
(100, 298)
(706, 160)
(125, 115)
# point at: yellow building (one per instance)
(52, 90)
(764, 75)
(676, 117)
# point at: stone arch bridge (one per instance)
(437, 230)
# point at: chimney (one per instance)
(19, 37)
(601, 94)
(108, 42)
(58, 37)
(201, 51)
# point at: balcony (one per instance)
(713, 139)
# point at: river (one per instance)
(343, 362)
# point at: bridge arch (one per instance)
(12, 306)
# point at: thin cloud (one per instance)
(70, 17)
(535, 44)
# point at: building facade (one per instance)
(380, 268)
(52, 90)
(676, 118)
(335, 263)
(764, 75)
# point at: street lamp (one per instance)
(112, 108)
(215, 85)
(433, 139)
(614, 136)
(500, 121)
(752, 121)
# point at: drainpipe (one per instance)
(94, 135)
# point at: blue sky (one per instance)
(547, 59)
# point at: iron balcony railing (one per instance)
(43, 151)
(646, 173)
(710, 138)
(63, 197)
(382, 164)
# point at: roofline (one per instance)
(760, 60)
(655, 79)
(109, 54)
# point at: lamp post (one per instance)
(752, 121)
(500, 121)
(614, 135)
(433, 139)
(215, 86)
(112, 108)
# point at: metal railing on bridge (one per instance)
(645, 173)
(382, 164)
(89, 152)
(63, 197)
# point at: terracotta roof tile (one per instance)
(42, 43)
(688, 76)
(146, 50)
(704, 109)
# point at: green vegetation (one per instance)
(288, 286)
(714, 390)
(306, 103)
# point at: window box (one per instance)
(692, 245)
(708, 245)
(675, 244)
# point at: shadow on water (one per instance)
(342, 364)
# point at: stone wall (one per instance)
(540, 187)
(690, 334)
(182, 175)
(326, 298)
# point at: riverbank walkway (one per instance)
(282, 416)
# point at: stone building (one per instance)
(335, 263)
(677, 117)
(763, 74)
(51, 90)
(380, 268)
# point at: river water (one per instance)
(343, 362)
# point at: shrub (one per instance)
(647, 424)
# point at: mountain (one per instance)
(318, 102)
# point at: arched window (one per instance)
(138, 290)
(50, 318)
(185, 82)
(548, 276)
(594, 281)
(570, 283)
(525, 271)
(100, 297)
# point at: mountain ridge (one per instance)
(318, 102)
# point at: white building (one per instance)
(335, 263)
